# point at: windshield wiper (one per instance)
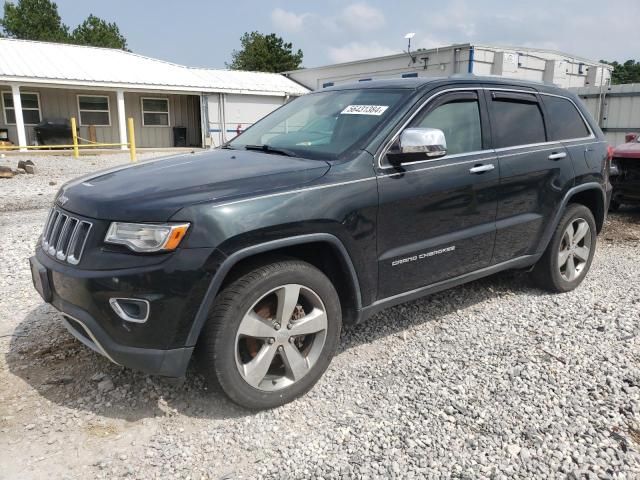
(269, 149)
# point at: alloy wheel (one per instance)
(280, 338)
(575, 248)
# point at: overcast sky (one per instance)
(203, 33)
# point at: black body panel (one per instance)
(399, 232)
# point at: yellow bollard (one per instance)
(132, 139)
(74, 135)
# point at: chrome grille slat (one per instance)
(65, 236)
(55, 232)
(62, 248)
(81, 240)
(47, 223)
(50, 224)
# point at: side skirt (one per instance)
(379, 305)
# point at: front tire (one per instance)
(271, 334)
(569, 254)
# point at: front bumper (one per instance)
(174, 288)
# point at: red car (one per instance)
(625, 172)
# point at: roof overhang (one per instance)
(130, 87)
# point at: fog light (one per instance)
(131, 309)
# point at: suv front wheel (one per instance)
(568, 257)
(272, 334)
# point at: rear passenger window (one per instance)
(565, 121)
(516, 122)
(460, 122)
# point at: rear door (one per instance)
(436, 218)
(568, 126)
(535, 172)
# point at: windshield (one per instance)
(322, 125)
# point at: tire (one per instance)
(551, 273)
(245, 334)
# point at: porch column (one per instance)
(17, 108)
(122, 119)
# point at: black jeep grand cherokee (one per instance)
(339, 204)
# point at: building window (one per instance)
(30, 108)
(94, 110)
(327, 84)
(155, 112)
(410, 75)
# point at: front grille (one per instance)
(64, 236)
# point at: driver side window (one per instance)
(459, 119)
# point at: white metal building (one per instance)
(102, 87)
(540, 65)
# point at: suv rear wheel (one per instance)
(272, 334)
(568, 257)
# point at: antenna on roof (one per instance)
(409, 36)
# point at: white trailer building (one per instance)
(540, 65)
(102, 87)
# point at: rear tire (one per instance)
(271, 334)
(569, 254)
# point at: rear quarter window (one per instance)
(565, 122)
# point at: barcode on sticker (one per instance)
(364, 110)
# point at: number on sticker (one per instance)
(364, 110)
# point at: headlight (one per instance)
(146, 237)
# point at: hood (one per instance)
(628, 150)
(153, 191)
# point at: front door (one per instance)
(436, 218)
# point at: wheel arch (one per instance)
(325, 251)
(591, 195)
(594, 200)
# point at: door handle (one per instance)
(482, 168)
(557, 155)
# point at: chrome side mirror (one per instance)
(418, 144)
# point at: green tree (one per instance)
(627, 72)
(98, 33)
(34, 20)
(265, 53)
(40, 20)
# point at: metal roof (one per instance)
(28, 61)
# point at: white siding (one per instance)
(59, 103)
(511, 62)
(184, 111)
(63, 104)
(240, 111)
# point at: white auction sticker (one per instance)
(364, 110)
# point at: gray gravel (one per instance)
(494, 379)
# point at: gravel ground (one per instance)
(494, 379)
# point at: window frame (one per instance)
(460, 96)
(168, 112)
(548, 121)
(424, 105)
(4, 107)
(108, 110)
(522, 96)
